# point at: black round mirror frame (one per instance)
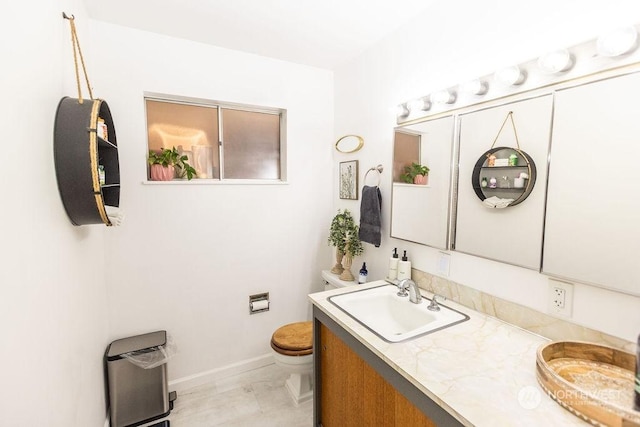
(481, 166)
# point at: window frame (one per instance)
(220, 105)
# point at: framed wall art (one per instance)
(349, 180)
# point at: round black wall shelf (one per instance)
(79, 153)
(505, 175)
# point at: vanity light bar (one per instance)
(551, 68)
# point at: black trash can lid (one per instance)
(142, 342)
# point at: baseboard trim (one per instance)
(195, 380)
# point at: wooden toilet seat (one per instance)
(294, 339)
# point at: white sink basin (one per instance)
(395, 318)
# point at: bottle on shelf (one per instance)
(362, 277)
(101, 175)
(102, 129)
(484, 182)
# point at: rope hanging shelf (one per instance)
(86, 152)
(515, 169)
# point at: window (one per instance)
(222, 141)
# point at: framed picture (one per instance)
(349, 180)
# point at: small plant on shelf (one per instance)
(415, 174)
(167, 163)
(343, 234)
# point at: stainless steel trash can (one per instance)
(137, 395)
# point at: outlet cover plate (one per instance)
(444, 264)
(560, 298)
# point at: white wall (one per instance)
(450, 44)
(187, 257)
(53, 301)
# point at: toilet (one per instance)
(333, 281)
(292, 346)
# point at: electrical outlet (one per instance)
(560, 298)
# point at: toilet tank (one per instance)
(332, 281)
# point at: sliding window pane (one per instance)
(192, 129)
(251, 144)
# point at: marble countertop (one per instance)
(481, 371)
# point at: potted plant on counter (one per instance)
(343, 234)
(169, 163)
(415, 174)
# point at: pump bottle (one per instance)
(393, 265)
(404, 267)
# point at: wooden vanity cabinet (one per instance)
(354, 387)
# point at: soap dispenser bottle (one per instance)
(362, 277)
(393, 265)
(404, 267)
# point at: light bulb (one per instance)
(475, 87)
(418, 105)
(402, 111)
(443, 97)
(510, 76)
(617, 42)
(556, 61)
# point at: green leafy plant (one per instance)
(410, 172)
(343, 234)
(171, 157)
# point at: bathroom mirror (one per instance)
(582, 139)
(349, 144)
(421, 213)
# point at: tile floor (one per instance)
(254, 398)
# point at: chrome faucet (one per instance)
(402, 288)
(414, 291)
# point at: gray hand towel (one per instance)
(370, 215)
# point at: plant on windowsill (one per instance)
(343, 234)
(169, 163)
(415, 174)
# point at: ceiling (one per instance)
(322, 34)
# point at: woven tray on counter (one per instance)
(594, 382)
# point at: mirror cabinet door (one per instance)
(512, 235)
(421, 212)
(593, 207)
